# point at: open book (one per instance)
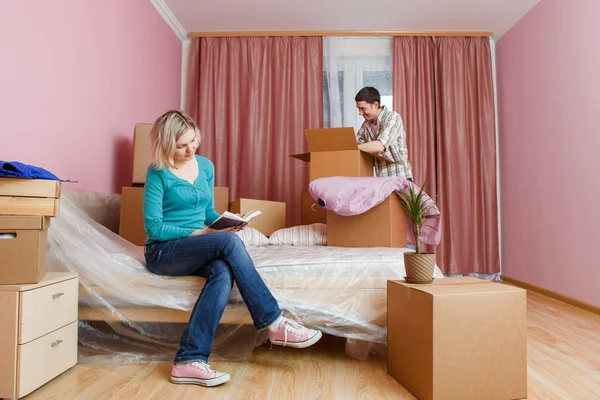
(228, 220)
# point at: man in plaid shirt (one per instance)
(382, 134)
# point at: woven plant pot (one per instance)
(419, 267)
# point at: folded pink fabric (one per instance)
(355, 195)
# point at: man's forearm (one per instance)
(371, 147)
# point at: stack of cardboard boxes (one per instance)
(38, 320)
(26, 206)
(131, 225)
(457, 338)
(334, 152)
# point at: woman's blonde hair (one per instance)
(165, 133)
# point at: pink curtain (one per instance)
(445, 95)
(256, 96)
(192, 70)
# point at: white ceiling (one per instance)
(497, 16)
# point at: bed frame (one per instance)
(369, 291)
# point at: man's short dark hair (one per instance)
(368, 94)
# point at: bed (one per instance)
(128, 314)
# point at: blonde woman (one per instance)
(178, 205)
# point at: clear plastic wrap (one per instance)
(129, 315)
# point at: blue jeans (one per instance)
(222, 259)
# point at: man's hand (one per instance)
(371, 147)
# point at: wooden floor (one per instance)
(563, 363)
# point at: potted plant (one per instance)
(419, 266)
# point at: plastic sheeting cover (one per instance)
(341, 291)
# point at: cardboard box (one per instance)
(458, 339)
(221, 199)
(271, 219)
(39, 197)
(24, 247)
(41, 206)
(141, 152)
(334, 152)
(24, 222)
(131, 223)
(384, 225)
(311, 212)
(29, 188)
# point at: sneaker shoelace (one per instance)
(202, 366)
(291, 326)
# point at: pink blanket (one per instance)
(356, 195)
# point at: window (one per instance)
(356, 62)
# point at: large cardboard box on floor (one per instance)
(141, 152)
(23, 248)
(311, 212)
(131, 223)
(334, 152)
(384, 225)
(271, 219)
(458, 338)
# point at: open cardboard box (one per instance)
(334, 152)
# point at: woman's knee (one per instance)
(232, 242)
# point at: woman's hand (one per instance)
(202, 231)
(231, 229)
(210, 230)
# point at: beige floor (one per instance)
(563, 363)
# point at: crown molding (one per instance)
(339, 33)
(170, 19)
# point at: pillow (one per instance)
(300, 235)
(252, 237)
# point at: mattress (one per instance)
(341, 291)
(283, 268)
(330, 287)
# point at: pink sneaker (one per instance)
(198, 373)
(293, 334)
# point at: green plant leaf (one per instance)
(417, 206)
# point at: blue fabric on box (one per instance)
(15, 169)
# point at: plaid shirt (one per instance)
(390, 133)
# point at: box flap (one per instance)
(443, 281)
(331, 139)
(302, 156)
(467, 288)
(459, 280)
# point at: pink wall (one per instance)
(548, 69)
(75, 78)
